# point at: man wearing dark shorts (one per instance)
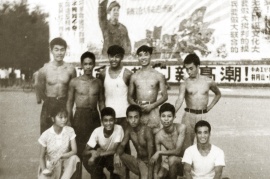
(86, 92)
(53, 81)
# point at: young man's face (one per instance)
(60, 120)
(192, 70)
(88, 66)
(108, 122)
(133, 118)
(203, 135)
(115, 61)
(58, 52)
(114, 13)
(144, 58)
(166, 118)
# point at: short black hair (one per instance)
(202, 123)
(167, 107)
(88, 55)
(115, 50)
(58, 41)
(192, 58)
(58, 110)
(134, 107)
(107, 111)
(144, 48)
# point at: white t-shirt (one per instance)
(97, 137)
(203, 167)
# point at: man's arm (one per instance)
(101, 100)
(181, 96)
(131, 90)
(150, 149)
(41, 84)
(120, 148)
(102, 15)
(127, 44)
(187, 171)
(218, 172)
(214, 89)
(163, 92)
(103, 153)
(71, 98)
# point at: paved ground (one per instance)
(240, 123)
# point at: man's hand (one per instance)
(117, 161)
(154, 158)
(94, 154)
(147, 108)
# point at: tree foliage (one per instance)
(24, 37)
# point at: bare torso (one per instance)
(57, 79)
(147, 85)
(169, 140)
(87, 92)
(197, 93)
(139, 141)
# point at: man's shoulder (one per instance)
(217, 149)
(122, 27)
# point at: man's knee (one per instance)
(173, 160)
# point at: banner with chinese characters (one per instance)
(234, 74)
(215, 30)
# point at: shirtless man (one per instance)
(171, 136)
(87, 93)
(195, 90)
(203, 160)
(146, 84)
(142, 139)
(53, 81)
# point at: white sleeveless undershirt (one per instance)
(116, 93)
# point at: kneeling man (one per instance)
(203, 160)
(142, 139)
(171, 137)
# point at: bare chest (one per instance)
(169, 140)
(58, 75)
(138, 138)
(90, 88)
(200, 88)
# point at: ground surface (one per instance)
(240, 123)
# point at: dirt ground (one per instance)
(240, 126)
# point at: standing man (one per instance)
(87, 93)
(53, 81)
(171, 137)
(195, 90)
(203, 160)
(114, 33)
(143, 141)
(116, 80)
(144, 89)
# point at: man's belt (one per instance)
(196, 111)
(57, 98)
(143, 102)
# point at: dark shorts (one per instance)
(96, 171)
(49, 104)
(84, 122)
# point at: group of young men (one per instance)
(132, 108)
